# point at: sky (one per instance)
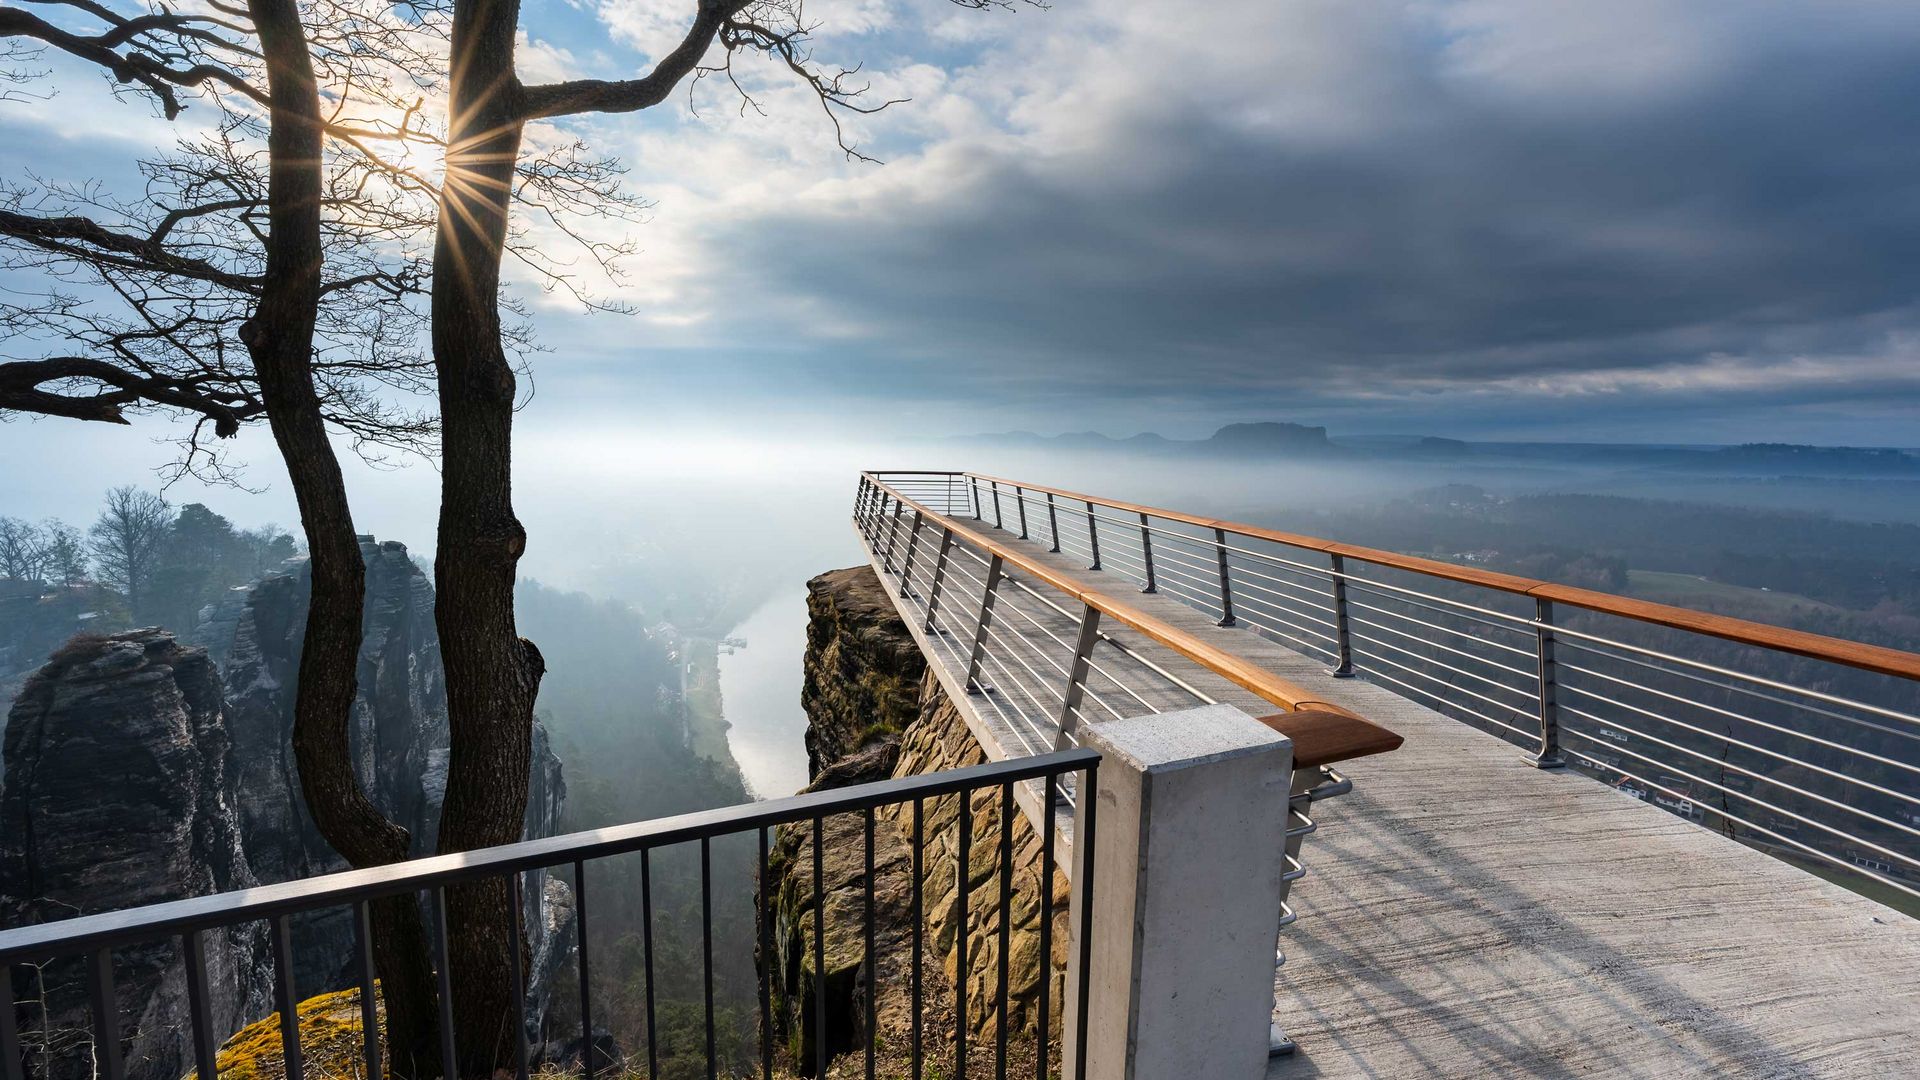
(1644, 220)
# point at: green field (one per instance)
(1689, 590)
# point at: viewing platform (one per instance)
(1473, 907)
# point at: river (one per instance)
(760, 695)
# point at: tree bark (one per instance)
(280, 339)
(492, 673)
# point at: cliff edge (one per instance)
(875, 711)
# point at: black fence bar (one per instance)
(206, 1045)
(285, 998)
(186, 923)
(516, 971)
(646, 946)
(706, 947)
(10, 1065)
(764, 914)
(919, 924)
(105, 1006)
(961, 938)
(1006, 931)
(586, 983)
(873, 999)
(1083, 842)
(819, 951)
(369, 997)
(449, 1058)
(83, 934)
(1048, 824)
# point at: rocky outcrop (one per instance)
(120, 792)
(399, 741)
(133, 776)
(939, 740)
(875, 712)
(862, 669)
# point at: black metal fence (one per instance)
(93, 939)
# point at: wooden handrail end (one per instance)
(1325, 734)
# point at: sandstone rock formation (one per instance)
(875, 712)
(119, 792)
(133, 776)
(862, 670)
(399, 741)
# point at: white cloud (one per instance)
(1409, 196)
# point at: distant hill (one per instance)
(1796, 460)
(1270, 438)
(1278, 439)
(1253, 439)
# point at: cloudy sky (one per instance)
(1670, 220)
(1503, 218)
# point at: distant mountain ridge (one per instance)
(1278, 439)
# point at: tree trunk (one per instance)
(279, 338)
(492, 673)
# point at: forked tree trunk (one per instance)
(492, 673)
(279, 338)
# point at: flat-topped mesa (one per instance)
(1045, 613)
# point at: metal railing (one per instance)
(94, 938)
(1036, 651)
(1040, 655)
(1804, 745)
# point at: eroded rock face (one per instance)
(133, 776)
(119, 792)
(399, 737)
(862, 668)
(876, 712)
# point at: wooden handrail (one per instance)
(1286, 694)
(1854, 654)
(1323, 737)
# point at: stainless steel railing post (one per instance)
(939, 576)
(1342, 638)
(1093, 537)
(1549, 755)
(875, 507)
(893, 533)
(1053, 523)
(973, 485)
(1146, 553)
(1077, 677)
(913, 544)
(995, 485)
(1020, 498)
(1226, 580)
(994, 569)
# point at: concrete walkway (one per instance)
(1466, 915)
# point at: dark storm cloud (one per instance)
(1756, 216)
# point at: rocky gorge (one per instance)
(138, 769)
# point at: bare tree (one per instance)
(493, 674)
(268, 272)
(125, 540)
(23, 551)
(210, 297)
(66, 552)
(276, 276)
